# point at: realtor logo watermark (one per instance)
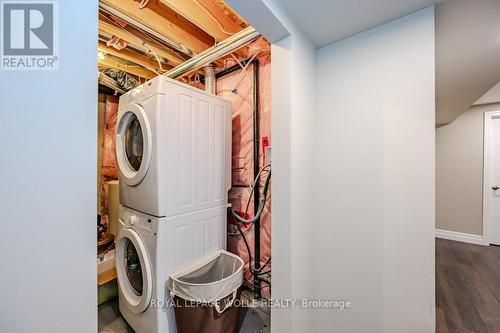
(30, 35)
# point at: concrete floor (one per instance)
(254, 320)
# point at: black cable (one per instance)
(263, 273)
(265, 264)
(261, 204)
(246, 243)
(255, 272)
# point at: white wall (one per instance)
(293, 69)
(375, 178)
(353, 174)
(47, 191)
(281, 246)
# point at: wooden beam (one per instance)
(209, 17)
(226, 16)
(134, 57)
(198, 15)
(159, 23)
(180, 21)
(107, 62)
(112, 29)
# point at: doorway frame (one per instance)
(487, 118)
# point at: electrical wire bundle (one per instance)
(237, 219)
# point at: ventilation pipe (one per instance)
(210, 79)
(210, 55)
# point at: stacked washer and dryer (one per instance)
(173, 147)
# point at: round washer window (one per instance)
(133, 267)
(134, 144)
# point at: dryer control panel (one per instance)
(143, 224)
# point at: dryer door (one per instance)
(134, 270)
(133, 144)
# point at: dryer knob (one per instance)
(134, 219)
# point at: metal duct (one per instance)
(210, 79)
(208, 56)
(110, 83)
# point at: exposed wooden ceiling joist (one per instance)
(163, 22)
(139, 71)
(210, 17)
(227, 17)
(194, 11)
(134, 57)
(172, 16)
(114, 30)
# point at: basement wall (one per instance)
(374, 189)
(353, 173)
(292, 122)
(459, 172)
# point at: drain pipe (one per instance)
(256, 169)
(208, 56)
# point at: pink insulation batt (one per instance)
(109, 169)
(237, 87)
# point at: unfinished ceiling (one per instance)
(147, 38)
(165, 33)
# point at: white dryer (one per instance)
(173, 147)
(149, 249)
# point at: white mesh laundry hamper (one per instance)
(204, 294)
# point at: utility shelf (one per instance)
(106, 276)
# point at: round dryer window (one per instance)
(133, 144)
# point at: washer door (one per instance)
(133, 144)
(134, 270)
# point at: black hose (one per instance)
(253, 271)
(246, 243)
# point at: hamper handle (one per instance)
(228, 304)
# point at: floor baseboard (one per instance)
(459, 236)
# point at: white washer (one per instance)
(173, 148)
(149, 249)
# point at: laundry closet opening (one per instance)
(184, 156)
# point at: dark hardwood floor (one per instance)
(467, 287)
